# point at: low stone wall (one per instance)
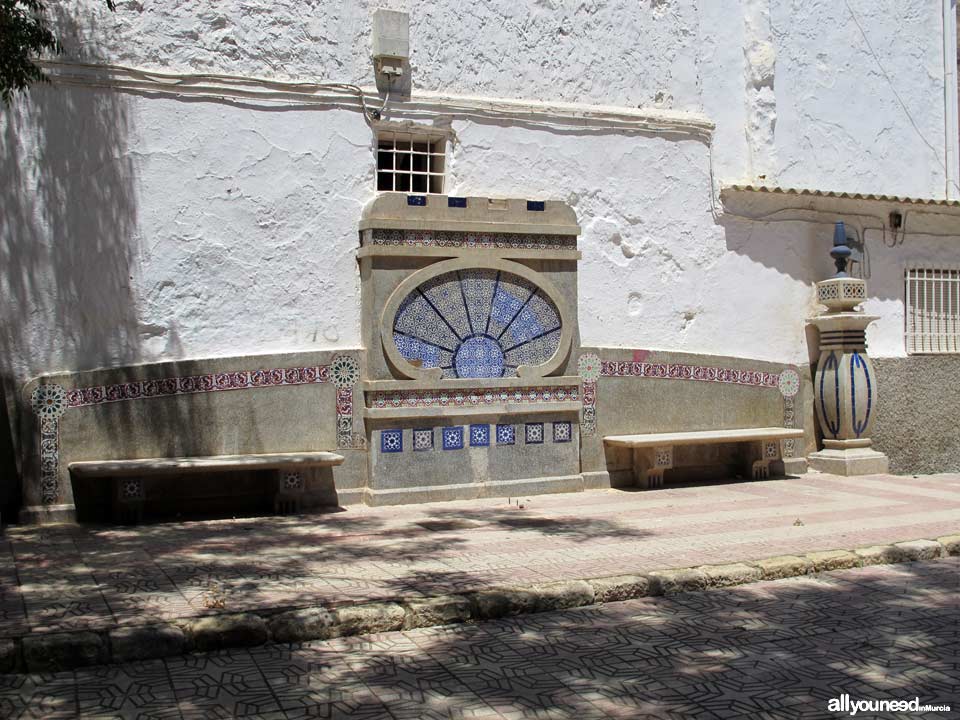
(917, 413)
(294, 402)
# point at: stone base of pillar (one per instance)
(794, 466)
(851, 461)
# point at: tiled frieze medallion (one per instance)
(344, 374)
(789, 446)
(789, 383)
(588, 367)
(49, 402)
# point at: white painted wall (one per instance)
(136, 228)
(847, 100)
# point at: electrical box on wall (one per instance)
(391, 41)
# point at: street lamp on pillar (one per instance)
(841, 251)
(845, 385)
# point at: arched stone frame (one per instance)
(426, 274)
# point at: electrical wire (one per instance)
(251, 88)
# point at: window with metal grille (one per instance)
(408, 162)
(932, 310)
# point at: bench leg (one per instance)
(129, 496)
(290, 485)
(650, 464)
(763, 453)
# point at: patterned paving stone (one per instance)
(136, 690)
(43, 696)
(700, 655)
(221, 685)
(165, 570)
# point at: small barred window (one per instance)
(412, 163)
(932, 310)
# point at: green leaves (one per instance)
(24, 35)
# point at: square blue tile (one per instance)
(391, 441)
(533, 433)
(479, 435)
(506, 434)
(452, 438)
(562, 432)
(422, 439)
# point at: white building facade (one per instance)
(190, 185)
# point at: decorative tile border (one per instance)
(473, 398)
(677, 371)
(50, 401)
(49, 461)
(419, 238)
(474, 435)
(193, 384)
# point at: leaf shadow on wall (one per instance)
(68, 228)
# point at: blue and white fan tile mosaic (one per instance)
(477, 323)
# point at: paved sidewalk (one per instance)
(67, 578)
(780, 649)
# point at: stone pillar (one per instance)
(845, 386)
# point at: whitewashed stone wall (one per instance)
(137, 228)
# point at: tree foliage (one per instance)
(24, 34)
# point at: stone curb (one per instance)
(53, 652)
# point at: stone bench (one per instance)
(128, 475)
(653, 452)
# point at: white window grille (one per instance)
(409, 162)
(932, 310)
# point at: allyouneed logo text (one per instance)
(846, 704)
